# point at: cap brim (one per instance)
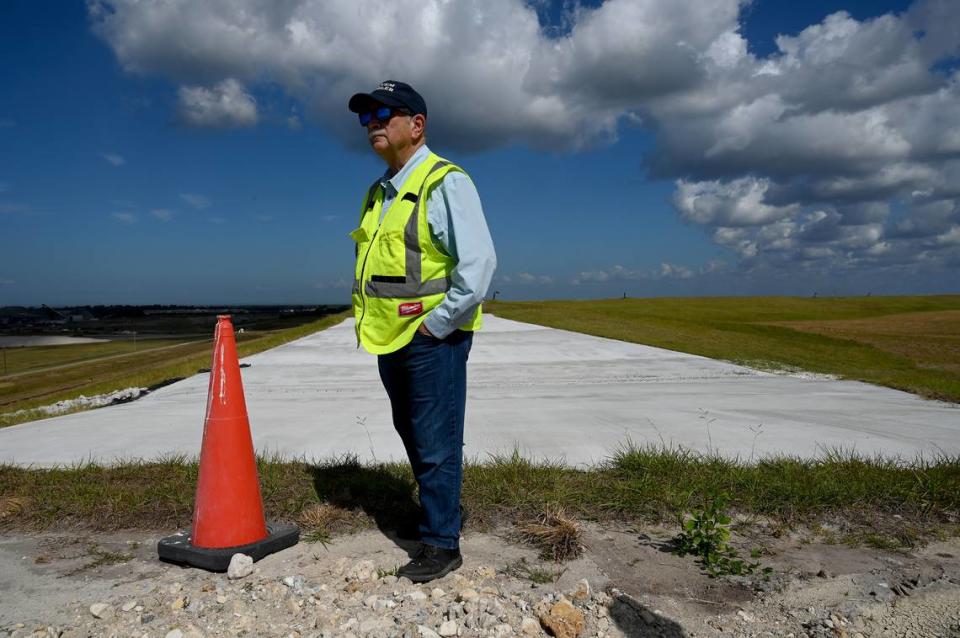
(361, 102)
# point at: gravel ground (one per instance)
(626, 584)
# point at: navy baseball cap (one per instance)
(390, 93)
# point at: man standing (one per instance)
(424, 262)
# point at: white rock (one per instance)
(174, 633)
(747, 617)
(241, 566)
(129, 605)
(370, 601)
(530, 627)
(437, 593)
(384, 603)
(221, 599)
(502, 630)
(426, 632)
(100, 610)
(448, 628)
(417, 596)
(468, 595)
(362, 571)
(368, 625)
(583, 591)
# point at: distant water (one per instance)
(44, 340)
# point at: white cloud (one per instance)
(124, 218)
(196, 200)
(223, 105)
(673, 271)
(293, 121)
(529, 278)
(163, 214)
(819, 153)
(664, 271)
(615, 273)
(736, 203)
(113, 159)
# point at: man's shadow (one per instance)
(385, 497)
(636, 620)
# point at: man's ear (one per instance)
(418, 123)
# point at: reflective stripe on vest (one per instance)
(401, 274)
(410, 285)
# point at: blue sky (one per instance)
(171, 152)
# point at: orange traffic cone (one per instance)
(228, 512)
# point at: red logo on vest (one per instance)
(411, 309)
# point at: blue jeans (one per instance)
(426, 381)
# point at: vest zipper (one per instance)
(363, 299)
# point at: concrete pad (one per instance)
(550, 393)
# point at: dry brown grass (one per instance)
(930, 340)
(13, 506)
(556, 535)
(320, 521)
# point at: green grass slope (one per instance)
(909, 343)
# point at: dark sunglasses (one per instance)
(383, 114)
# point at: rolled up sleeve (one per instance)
(459, 228)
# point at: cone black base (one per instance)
(177, 548)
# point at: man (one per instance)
(424, 262)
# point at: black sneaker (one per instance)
(409, 528)
(430, 563)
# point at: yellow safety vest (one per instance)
(401, 275)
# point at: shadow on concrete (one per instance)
(636, 620)
(383, 496)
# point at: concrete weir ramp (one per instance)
(548, 393)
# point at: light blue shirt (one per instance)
(458, 227)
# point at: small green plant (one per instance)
(534, 573)
(383, 573)
(321, 536)
(705, 535)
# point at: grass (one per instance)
(908, 343)
(556, 535)
(638, 485)
(91, 369)
(905, 342)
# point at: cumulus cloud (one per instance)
(223, 105)
(736, 203)
(665, 271)
(163, 214)
(113, 159)
(124, 218)
(530, 278)
(196, 200)
(840, 149)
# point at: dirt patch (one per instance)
(634, 586)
